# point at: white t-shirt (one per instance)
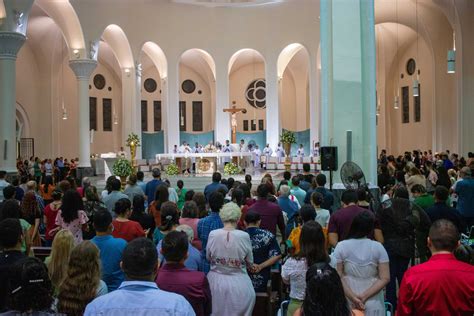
(294, 272)
(322, 217)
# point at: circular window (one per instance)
(150, 85)
(188, 86)
(411, 66)
(99, 81)
(256, 94)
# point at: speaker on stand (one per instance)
(329, 161)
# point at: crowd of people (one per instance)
(151, 248)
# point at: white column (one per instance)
(273, 126)
(348, 80)
(128, 103)
(172, 107)
(137, 110)
(83, 69)
(10, 44)
(314, 73)
(222, 130)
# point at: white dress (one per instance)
(361, 258)
(229, 252)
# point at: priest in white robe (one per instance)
(256, 153)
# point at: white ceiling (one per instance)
(227, 3)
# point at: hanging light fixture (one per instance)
(64, 115)
(416, 83)
(64, 111)
(112, 96)
(396, 100)
(452, 52)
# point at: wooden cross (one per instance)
(234, 110)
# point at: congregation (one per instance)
(151, 249)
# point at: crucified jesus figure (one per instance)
(234, 111)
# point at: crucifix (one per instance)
(234, 111)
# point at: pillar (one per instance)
(171, 107)
(222, 129)
(10, 44)
(273, 123)
(137, 108)
(313, 103)
(83, 69)
(348, 81)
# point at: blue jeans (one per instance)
(398, 267)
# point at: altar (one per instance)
(206, 163)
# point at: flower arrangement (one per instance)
(122, 167)
(172, 170)
(133, 139)
(231, 169)
(287, 137)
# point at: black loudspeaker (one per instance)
(329, 158)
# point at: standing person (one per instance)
(440, 210)
(140, 182)
(59, 257)
(190, 217)
(37, 171)
(114, 195)
(160, 197)
(133, 189)
(138, 215)
(289, 207)
(139, 295)
(46, 190)
(110, 250)
(324, 293)
(71, 216)
(3, 183)
(11, 239)
(169, 221)
(257, 153)
(431, 177)
(265, 249)
(30, 212)
(270, 212)
(11, 209)
(280, 152)
(398, 222)
(210, 223)
(363, 265)
(315, 151)
(49, 218)
(181, 191)
(300, 151)
(230, 253)
(267, 152)
(123, 227)
(442, 285)
(82, 283)
(175, 277)
(92, 205)
(465, 192)
(215, 185)
(226, 149)
(319, 185)
(341, 220)
(306, 214)
(153, 184)
(313, 251)
(298, 192)
(414, 177)
(200, 199)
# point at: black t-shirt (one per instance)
(7, 259)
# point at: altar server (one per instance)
(280, 152)
(256, 156)
(226, 149)
(300, 152)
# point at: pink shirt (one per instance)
(192, 222)
(75, 226)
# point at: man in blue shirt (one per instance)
(440, 210)
(110, 250)
(210, 223)
(152, 185)
(298, 192)
(215, 185)
(328, 197)
(139, 294)
(114, 196)
(465, 191)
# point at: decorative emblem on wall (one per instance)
(188, 86)
(99, 81)
(256, 94)
(150, 85)
(411, 66)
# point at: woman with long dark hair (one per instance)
(190, 217)
(46, 190)
(312, 250)
(162, 195)
(138, 215)
(82, 283)
(443, 178)
(123, 227)
(324, 293)
(30, 212)
(363, 266)
(169, 221)
(71, 216)
(200, 199)
(92, 205)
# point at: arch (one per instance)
(23, 122)
(287, 55)
(118, 41)
(246, 53)
(205, 56)
(66, 18)
(158, 58)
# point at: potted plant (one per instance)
(231, 169)
(172, 170)
(122, 168)
(287, 138)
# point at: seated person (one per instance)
(175, 277)
(139, 295)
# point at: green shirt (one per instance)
(25, 226)
(181, 195)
